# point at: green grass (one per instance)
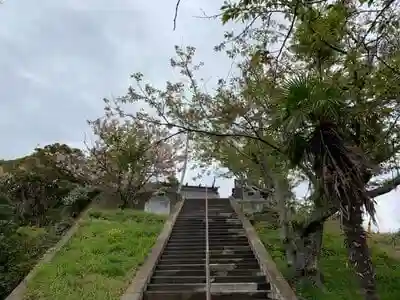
(100, 259)
(340, 280)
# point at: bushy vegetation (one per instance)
(314, 99)
(100, 259)
(339, 280)
(42, 194)
(38, 203)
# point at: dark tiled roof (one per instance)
(154, 186)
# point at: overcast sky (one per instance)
(58, 59)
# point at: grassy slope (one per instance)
(341, 283)
(100, 258)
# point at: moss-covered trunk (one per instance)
(358, 251)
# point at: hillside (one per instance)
(107, 249)
(340, 281)
(39, 201)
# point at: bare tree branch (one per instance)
(387, 187)
(387, 5)
(287, 35)
(214, 133)
(176, 12)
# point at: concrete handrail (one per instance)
(279, 286)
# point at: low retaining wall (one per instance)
(19, 291)
(143, 275)
(280, 288)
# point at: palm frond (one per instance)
(296, 148)
(296, 92)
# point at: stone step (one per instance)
(202, 241)
(177, 256)
(234, 270)
(190, 295)
(215, 287)
(216, 216)
(191, 227)
(200, 260)
(202, 279)
(220, 212)
(212, 231)
(210, 205)
(230, 229)
(213, 218)
(212, 211)
(202, 221)
(215, 267)
(210, 239)
(198, 222)
(202, 218)
(202, 273)
(202, 231)
(214, 248)
(200, 235)
(220, 237)
(203, 256)
(211, 244)
(202, 203)
(197, 253)
(200, 245)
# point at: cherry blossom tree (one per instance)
(128, 153)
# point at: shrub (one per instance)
(78, 199)
(20, 248)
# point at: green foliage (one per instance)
(172, 180)
(20, 248)
(394, 238)
(6, 208)
(78, 199)
(340, 282)
(128, 153)
(33, 210)
(324, 106)
(106, 252)
(313, 95)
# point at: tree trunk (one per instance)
(314, 242)
(124, 199)
(358, 251)
(302, 247)
(280, 197)
(309, 239)
(306, 255)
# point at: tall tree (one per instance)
(326, 99)
(334, 112)
(128, 154)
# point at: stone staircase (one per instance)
(181, 270)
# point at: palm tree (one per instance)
(316, 122)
